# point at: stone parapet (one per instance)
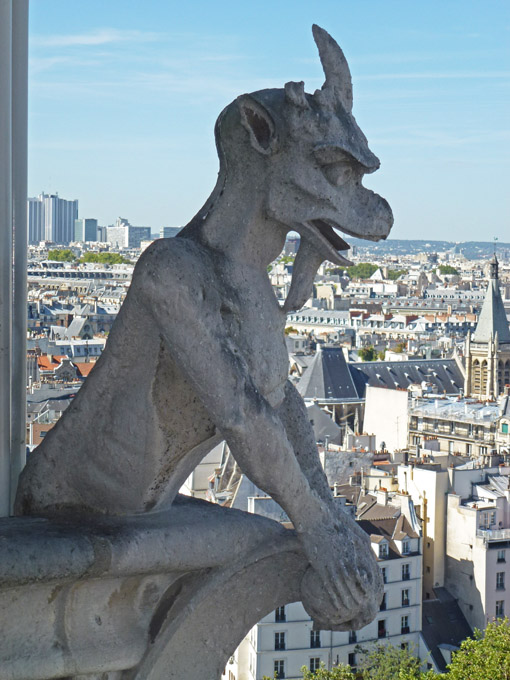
(152, 596)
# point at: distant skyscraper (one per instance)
(101, 234)
(125, 235)
(169, 232)
(51, 218)
(85, 230)
(35, 215)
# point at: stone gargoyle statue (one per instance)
(197, 353)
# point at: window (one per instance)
(493, 518)
(469, 449)
(406, 572)
(405, 598)
(384, 575)
(500, 580)
(416, 440)
(450, 447)
(483, 450)
(315, 638)
(501, 556)
(279, 640)
(500, 609)
(352, 659)
(406, 547)
(279, 668)
(315, 664)
(382, 606)
(383, 550)
(279, 614)
(381, 628)
(452, 428)
(404, 625)
(352, 637)
(504, 428)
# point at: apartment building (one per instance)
(478, 545)
(284, 641)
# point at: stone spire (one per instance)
(492, 320)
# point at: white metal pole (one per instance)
(5, 250)
(19, 205)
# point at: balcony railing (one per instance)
(493, 534)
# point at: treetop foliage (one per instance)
(57, 255)
(448, 269)
(368, 353)
(485, 656)
(66, 255)
(104, 258)
(362, 270)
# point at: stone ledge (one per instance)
(115, 595)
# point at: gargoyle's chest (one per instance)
(254, 326)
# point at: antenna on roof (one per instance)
(495, 239)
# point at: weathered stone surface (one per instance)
(108, 594)
(197, 354)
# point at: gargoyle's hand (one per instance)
(342, 589)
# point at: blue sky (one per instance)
(124, 95)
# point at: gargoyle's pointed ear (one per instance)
(259, 123)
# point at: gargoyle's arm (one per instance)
(168, 281)
(342, 587)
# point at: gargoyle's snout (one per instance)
(375, 218)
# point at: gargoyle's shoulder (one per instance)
(171, 258)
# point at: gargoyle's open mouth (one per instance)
(332, 244)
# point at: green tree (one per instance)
(290, 329)
(401, 347)
(57, 255)
(387, 662)
(381, 354)
(394, 274)
(448, 269)
(367, 353)
(340, 672)
(484, 656)
(105, 258)
(363, 270)
(382, 662)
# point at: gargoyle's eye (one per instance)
(337, 166)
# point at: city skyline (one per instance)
(123, 101)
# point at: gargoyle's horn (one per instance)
(338, 85)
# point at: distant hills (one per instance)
(473, 250)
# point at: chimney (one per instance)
(382, 496)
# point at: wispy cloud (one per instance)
(99, 36)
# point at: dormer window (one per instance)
(383, 550)
(406, 547)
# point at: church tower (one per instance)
(488, 349)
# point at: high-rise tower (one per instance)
(51, 218)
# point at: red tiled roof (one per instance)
(49, 363)
(83, 367)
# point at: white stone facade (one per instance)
(284, 641)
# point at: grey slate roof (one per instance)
(443, 624)
(492, 318)
(443, 373)
(329, 376)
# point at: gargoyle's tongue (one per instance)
(330, 234)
